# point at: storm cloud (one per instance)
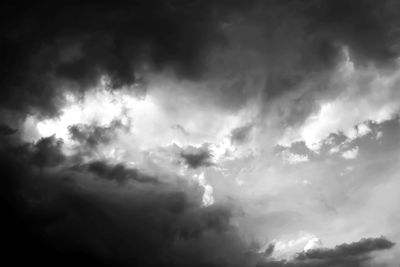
(45, 46)
(200, 133)
(69, 216)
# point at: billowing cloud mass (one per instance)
(200, 133)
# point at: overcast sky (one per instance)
(201, 133)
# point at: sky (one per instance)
(200, 133)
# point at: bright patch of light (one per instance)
(147, 125)
(292, 158)
(313, 243)
(221, 149)
(288, 247)
(319, 126)
(208, 198)
(98, 107)
(350, 154)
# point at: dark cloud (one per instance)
(63, 216)
(6, 130)
(240, 135)
(369, 28)
(45, 46)
(91, 136)
(117, 172)
(307, 37)
(297, 46)
(355, 249)
(197, 157)
(269, 250)
(344, 255)
(46, 49)
(47, 152)
(69, 215)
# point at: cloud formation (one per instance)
(75, 214)
(354, 254)
(200, 133)
(45, 46)
(197, 157)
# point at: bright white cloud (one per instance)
(292, 158)
(288, 246)
(150, 121)
(208, 198)
(351, 153)
(313, 244)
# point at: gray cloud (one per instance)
(241, 134)
(90, 137)
(354, 254)
(6, 130)
(42, 47)
(117, 172)
(47, 152)
(63, 215)
(197, 157)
